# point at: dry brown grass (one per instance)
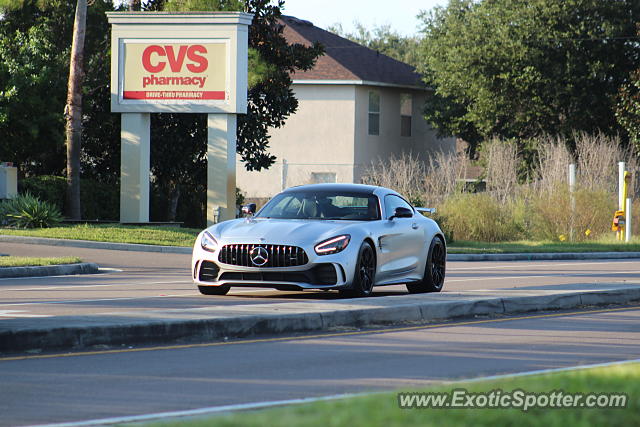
(424, 184)
(405, 174)
(553, 164)
(444, 172)
(501, 169)
(598, 158)
(539, 209)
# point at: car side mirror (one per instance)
(249, 209)
(401, 212)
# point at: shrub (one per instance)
(27, 211)
(97, 200)
(478, 216)
(551, 214)
(49, 188)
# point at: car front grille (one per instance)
(277, 255)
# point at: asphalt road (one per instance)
(65, 388)
(156, 281)
(60, 388)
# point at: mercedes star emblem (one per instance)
(259, 256)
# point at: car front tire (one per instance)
(365, 274)
(434, 271)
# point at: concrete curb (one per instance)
(86, 333)
(49, 270)
(88, 244)
(450, 257)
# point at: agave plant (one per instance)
(27, 211)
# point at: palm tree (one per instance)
(73, 111)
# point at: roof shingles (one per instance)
(346, 60)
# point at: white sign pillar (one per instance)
(221, 167)
(178, 63)
(621, 169)
(134, 167)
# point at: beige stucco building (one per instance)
(356, 106)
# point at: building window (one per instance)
(406, 109)
(374, 113)
(323, 177)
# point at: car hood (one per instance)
(278, 231)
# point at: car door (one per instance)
(400, 243)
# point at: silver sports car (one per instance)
(347, 237)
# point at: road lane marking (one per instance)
(275, 403)
(13, 304)
(539, 276)
(318, 335)
(529, 265)
(201, 411)
(69, 287)
(19, 313)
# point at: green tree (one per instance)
(518, 69)
(36, 59)
(34, 63)
(32, 84)
(178, 150)
(628, 109)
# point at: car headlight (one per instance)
(208, 243)
(333, 245)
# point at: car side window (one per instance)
(391, 202)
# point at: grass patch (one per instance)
(172, 236)
(527, 246)
(115, 233)
(18, 261)
(383, 410)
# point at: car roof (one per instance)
(356, 188)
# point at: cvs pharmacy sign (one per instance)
(171, 71)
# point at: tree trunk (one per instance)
(73, 111)
(174, 197)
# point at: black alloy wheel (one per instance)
(365, 273)
(434, 271)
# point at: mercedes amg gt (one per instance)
(348, 237)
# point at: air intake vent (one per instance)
(208, 272)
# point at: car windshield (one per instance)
(322, 205)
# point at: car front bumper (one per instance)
(320, 272)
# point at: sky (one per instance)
(399, 14)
